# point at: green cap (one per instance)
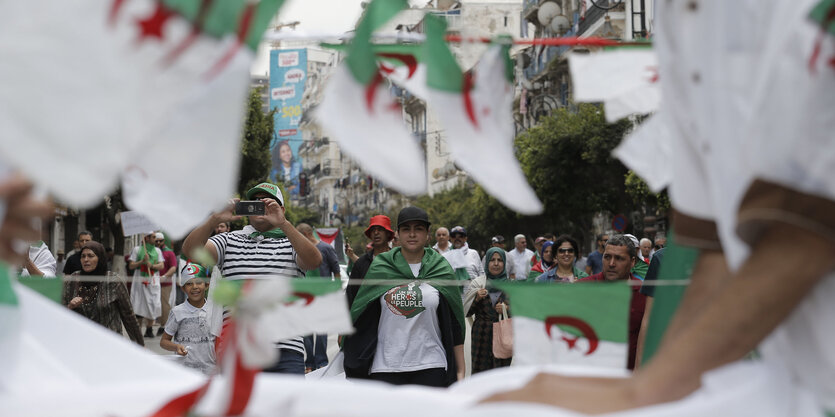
(267, 188)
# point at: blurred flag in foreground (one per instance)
(149, 91)
(582, 323)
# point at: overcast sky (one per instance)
(316, 15)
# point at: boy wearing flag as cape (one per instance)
(410, 332)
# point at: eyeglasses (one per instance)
(160, 241)
(565, 250)
(457, 235)
(604, 240)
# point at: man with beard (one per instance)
(469, 259)
(619, 257)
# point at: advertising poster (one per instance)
(288, 73)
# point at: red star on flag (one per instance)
(151, 26)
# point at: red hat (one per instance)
(379, 220)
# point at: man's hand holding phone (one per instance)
(250, 208)
(227, 214)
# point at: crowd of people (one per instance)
(556, 259)
(411, 333)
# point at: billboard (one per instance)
(288, 73)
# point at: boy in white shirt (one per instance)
(187, 331)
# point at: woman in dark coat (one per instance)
(486, 306)
(106, 302)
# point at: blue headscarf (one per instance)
(546, 265)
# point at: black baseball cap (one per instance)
(412, 213)
(458, 230)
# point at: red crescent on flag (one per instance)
(468, 101)
(308, 297)
(582, 326)
(371, 89)
(409, 60)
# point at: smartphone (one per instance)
(250, 208)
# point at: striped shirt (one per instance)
(240, 256)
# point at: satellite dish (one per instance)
(559, 24)
(547, 11)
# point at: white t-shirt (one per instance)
(409, 336)
(519, 263)
(190, 327)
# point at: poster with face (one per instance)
(288, 73)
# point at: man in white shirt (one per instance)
(442, 245)
(519, 259)
(646, 247)
(471, 260)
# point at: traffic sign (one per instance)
(619, 223)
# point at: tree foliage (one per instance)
(568, 160)
(255, 144)
(639, 192)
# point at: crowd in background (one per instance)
(415, 332)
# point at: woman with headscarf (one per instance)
(566, 250)
(485, 303)
(546, 261)
(106, 302)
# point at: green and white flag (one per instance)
(145, 90)
(400, 64)
(581, 323)
(316, 306)
(365, 119)
(282, 308)
(625, 80)
(10, 329)
(476, 112)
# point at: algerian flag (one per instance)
(273, 309)
(582, 323)
(150, 91)
(400, 63)
(366, 121)
(654, 167)
(10, 330)
(625, 80)
(317, 306)
(476, 114)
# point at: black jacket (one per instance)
(358, 271)
(360, 347)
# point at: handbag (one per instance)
(503, 336)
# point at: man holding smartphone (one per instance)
(240, 254)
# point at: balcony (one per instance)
(529, 8)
